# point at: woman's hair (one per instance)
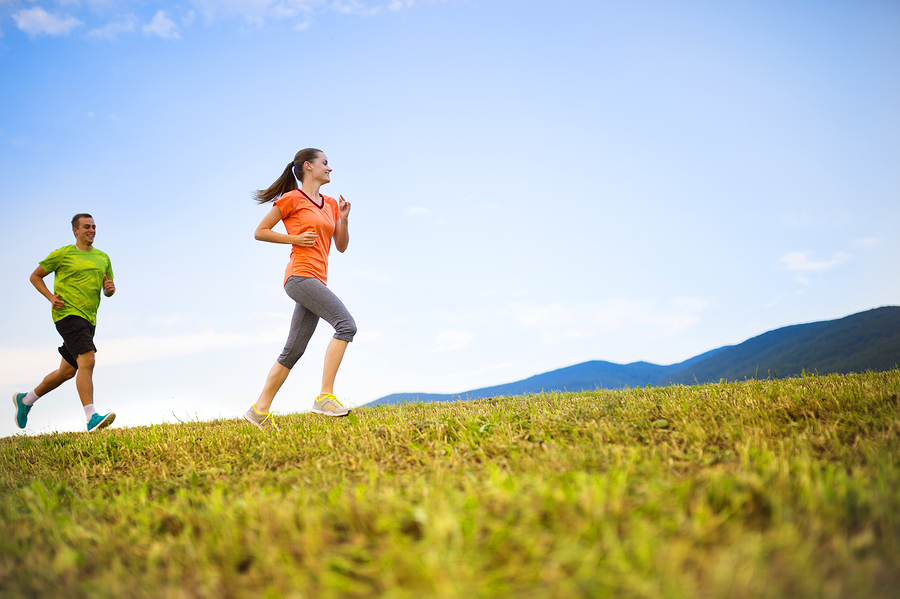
(286, 182)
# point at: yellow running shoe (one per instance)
(328, 404)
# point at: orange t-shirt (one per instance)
(300, 215)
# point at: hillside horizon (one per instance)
(868, 340)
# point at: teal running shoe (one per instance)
(21, 409)
(97, 421)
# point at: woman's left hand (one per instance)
(344, 208)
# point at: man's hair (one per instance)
(78, 217)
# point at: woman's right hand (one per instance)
(306, 240)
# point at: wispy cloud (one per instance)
(162, 26)
(803, 264)
(113, 29)
(806, 220)
(448, 340)
(414, 210)
(22, 365)
(564, 321)
(37, 21)
(400, 4)
(866, 243)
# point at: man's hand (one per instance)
(58, 302)
(108, 287)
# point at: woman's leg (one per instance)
(333, 356)
(277, 375)
(303, 325)
(319, 299)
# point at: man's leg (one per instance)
(55, 378)
(84, 380)
(24, 401)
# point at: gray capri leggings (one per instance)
(314, 301)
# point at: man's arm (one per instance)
(37, 279)
(109, 287)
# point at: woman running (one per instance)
(312, 220)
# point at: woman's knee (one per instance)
(345, 329)
(289, 358)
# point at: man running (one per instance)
(81, 272)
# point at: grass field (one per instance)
(784, 488)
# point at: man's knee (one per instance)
(85, 361)
(66, 371)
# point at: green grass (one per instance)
(784, 488)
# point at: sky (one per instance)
(533, 185)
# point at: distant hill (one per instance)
(866, 341)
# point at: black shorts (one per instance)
(78, 338)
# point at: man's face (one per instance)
(85, 231)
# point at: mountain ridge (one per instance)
(868, 340)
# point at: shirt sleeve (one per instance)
(52, 262)
(285, 206)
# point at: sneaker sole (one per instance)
(105, 422)
(253, 422)
(333, 414)
(16, 416)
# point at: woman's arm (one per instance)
(342, 229)
(264, 231)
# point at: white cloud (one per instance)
(417, 210)
(21, 365)
(37, 21)
(778, 299)
(356, 7)
(400, 4)
(448, 340)
(817, 221)
(258, 11)
(161, 25)
(113, 30)
(448, 317)
(866, 243)
(801, 263)
(565, 321)
(146, 348)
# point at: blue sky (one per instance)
(534, 185)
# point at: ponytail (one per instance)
(287, 181)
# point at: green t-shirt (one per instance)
(78, 279)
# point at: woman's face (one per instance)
(319, 169)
